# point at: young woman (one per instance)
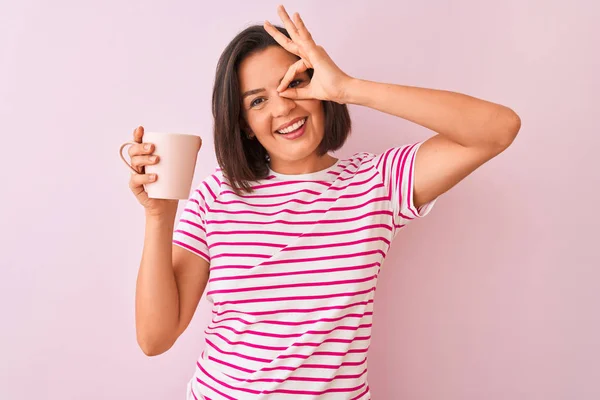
(287, 240)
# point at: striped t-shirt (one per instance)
(293, 269)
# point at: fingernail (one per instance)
(153, 158)
(147, 146)
(152, 177)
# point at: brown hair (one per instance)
(243, 160)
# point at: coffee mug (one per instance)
(177, 154)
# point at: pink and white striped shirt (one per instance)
(293, 269)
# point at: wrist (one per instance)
(350, 90)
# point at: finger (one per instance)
(138, 133)
(297, 94)
(280, 38)
(141, 161)
(140, 149)
(138, 180)
(302, 30)
(287, 22)
(296, 68)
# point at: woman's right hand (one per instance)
(141, 154)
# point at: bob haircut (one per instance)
(244, 160)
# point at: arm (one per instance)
(170, 283)
(469, 131)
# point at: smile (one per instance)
(295, 131)
(292, 128)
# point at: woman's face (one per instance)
(265, 112)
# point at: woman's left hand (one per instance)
(328, 81)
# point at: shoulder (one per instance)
(393, 155)
(362, 157)
(210, 188)
(359, 161)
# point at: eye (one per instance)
(260, 100)
(256, 102)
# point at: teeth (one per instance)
(293, 127)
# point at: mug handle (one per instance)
(123, 158)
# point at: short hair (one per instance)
(243, 160)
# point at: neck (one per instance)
(304, 166)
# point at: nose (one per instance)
(282, 106)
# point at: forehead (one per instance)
(265, 68)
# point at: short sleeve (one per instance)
(190, 232)
(396, 167)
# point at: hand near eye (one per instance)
(328, 82)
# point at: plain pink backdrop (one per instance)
(495, 295)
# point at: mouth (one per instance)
(294, 131)
(292, 127)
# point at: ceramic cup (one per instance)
(177, 154)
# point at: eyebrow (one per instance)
(251, 92)
(254, 91)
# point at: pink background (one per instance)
(495, 295)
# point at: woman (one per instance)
(287, 240)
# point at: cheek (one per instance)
(260, 123)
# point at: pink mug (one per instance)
(177, 154)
